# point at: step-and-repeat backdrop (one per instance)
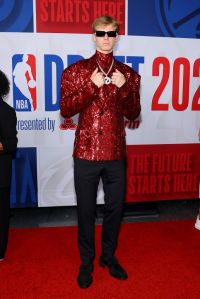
(159, 39)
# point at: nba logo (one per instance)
(24, 82)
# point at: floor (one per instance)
(135, 212)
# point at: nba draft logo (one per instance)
(24, 82)
(178, 19)
(16, 16)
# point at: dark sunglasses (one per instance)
(101, 33)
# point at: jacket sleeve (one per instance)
(74, 95)
(129, 93)
(9, 132)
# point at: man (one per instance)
(103, 91)
(8, 144)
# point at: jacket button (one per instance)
(101, 113)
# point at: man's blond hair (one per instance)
(105, 20)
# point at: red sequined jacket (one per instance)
(100, 134)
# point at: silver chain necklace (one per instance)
(107, 80)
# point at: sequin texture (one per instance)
(100, 135)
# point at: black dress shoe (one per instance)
(114, 267)
(84, 278)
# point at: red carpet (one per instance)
(162, 260)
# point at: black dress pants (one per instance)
(4, 219)
(87, 175)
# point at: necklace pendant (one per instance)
(107, 80)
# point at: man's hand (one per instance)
(118, 79)
(97, 78)
(1, 146)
